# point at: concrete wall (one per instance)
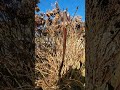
(102, 44)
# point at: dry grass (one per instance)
(49, 56)
(17, 70)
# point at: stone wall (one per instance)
(102, 44)
(17, 46)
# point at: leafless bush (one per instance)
(60, 51)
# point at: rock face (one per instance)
(102, 44)
(16, 44)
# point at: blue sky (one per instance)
(63, 4)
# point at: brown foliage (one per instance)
(59, 47)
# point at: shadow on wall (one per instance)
(16, 45)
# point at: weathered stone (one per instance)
(102, 44)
